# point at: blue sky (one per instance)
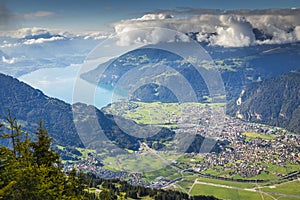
(100, 14)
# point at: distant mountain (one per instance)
(238, 67)
(147, 61)
(30, 106)
(274, 101)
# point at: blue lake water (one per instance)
(62, 82)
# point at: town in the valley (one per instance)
(252, 151)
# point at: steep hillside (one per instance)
(275, 101)
(30, 106)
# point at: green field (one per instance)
(167, 172)
(229, 183)
(218, 172)
(240, 190)
(235, 194)
(285, 188)
(224, 193)
(187, 181)
(130, 163)
(185, 184)
(251, 135)
(146, 113)
(155, 113)
(85, 151)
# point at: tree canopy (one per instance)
(29, 169)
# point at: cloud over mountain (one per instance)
(217, 27)
(39, 32)
(236, 28)
(42, 40)
(234, 32)
(37, 35)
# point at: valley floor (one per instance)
(256, 161)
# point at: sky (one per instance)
(230, 24)
(101, 14)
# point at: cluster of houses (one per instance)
(243, 155)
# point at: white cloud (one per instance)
(271, 23)
(193, 24)
(149, 17)
(33, 35)
(8, 61)
(297, 32)
(42, 40)
(131, 36)
(93, 35)
(8, 45)
(280, 37)
(143, 30)
(233, 32)
(216, 27)
(26, 32)
(37, 32)
(229, 29)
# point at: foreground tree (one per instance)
(31, 170)
(42, 154)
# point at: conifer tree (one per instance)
(14, 131)
(31, 170)
(42, 154)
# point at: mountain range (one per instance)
(274, 101)
(30, 106)
(248, 73)
(238, 67)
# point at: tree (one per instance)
(122, 196)
(14, 131)
(42, 153)
(31, 170)
(76, 182)
(105, 194)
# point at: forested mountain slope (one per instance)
(274, 101)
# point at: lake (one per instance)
(60, 82)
